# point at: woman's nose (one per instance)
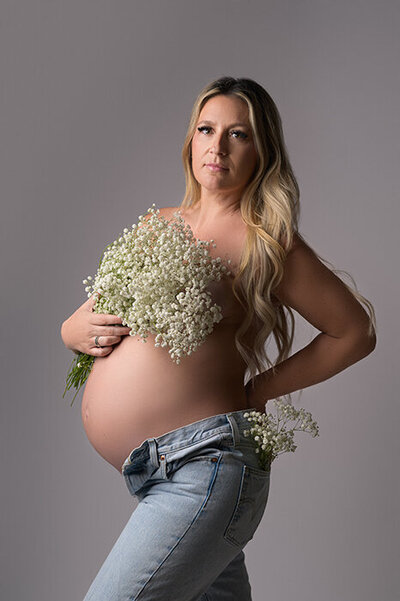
(219, 144)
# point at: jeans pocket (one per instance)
(250, 505)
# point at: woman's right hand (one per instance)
(79, 331)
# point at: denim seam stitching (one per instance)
(244, 486)
(207, 496)
(243, 483)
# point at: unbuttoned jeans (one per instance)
(202, 494)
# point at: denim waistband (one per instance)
(232, 424)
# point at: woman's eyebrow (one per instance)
(232, 124)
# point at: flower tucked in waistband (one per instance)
(270, 434)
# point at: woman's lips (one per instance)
(214, 167)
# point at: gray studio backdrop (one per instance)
(94, 103)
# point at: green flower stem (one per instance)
(79, 371)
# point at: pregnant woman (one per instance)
(175, 432)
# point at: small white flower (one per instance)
(155, 278)
(270, 434)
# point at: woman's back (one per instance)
(138, 391)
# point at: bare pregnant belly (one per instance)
(138, 392)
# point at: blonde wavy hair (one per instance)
(270, 208)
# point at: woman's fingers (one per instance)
(101, 352)
(108, 340)
(91, 301)
(115, 331)
(81, 328)
(111, 328)
(106, 343)
(106, 319)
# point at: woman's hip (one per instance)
(208, 466)
(201, 497)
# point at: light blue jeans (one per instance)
(201, 495)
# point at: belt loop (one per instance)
(153, 452)
(235, 429)
(155, 460)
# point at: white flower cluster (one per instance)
(270, 433)
(154, 277)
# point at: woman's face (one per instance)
(223, 136)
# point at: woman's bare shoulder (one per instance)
(166, 212)
(297, 241)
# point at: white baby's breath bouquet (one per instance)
(155, 277)
(270, 434)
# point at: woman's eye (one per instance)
(240, 134)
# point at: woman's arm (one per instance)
(316, 293)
